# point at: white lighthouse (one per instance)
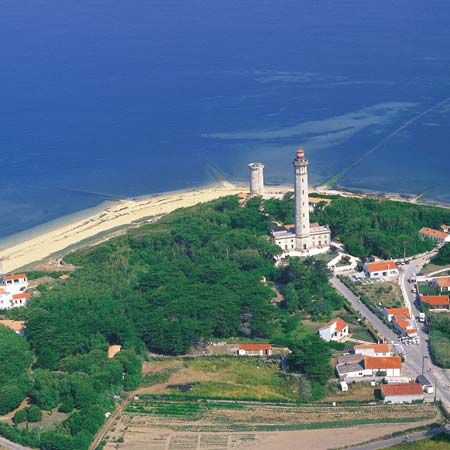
(301, 199)
(303, 236)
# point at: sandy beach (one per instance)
(52, 238)
(114, 215)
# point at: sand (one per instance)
(115, 215)
(72, 230)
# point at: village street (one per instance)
(418, 356)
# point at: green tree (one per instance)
(20, 416)
(34, 414)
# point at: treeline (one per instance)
(443, 256)
(371, 227)
(196, 274)
(15, 362)
(305, 287)
(439, 342)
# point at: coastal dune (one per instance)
(118, 214)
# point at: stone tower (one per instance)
(302, 227)
(256, 179)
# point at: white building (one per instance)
(12, 291)
(438, 236)
(376, 350)
(255, 350)
(402, 393)
(382, 269)
(390, 366)
(304, 236)
(334, 330)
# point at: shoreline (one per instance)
(40, 242)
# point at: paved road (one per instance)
(382, 328)
(399, 440)
(416, 353)
(12, 445)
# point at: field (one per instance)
(439, 442)
(428, 289)
(358, 330)
(387, 293)
(219, 377)
(430, 268)
(168, 424)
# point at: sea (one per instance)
(102, 100)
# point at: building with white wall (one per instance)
(402, 393)
(439, 236)
(376, 350)
(335, 330)
(381, 269)
(13, 291)
(305, 236)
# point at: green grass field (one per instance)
(388, 294)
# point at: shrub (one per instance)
(34, 413)
(20, 416)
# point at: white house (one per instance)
(382, 269)
(335, 330)
(402, 393)
(12, 291)
(443, 283)
(438, 236)
(390, 313)
(377, 350)
(390, 365)
(255, 350)
(15, 284)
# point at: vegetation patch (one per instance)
(438, 442)
(439, 338)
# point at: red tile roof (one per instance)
(381, 266)
(435, 299)
(21, 295)
(255, 347)
(397, 311)
(433, 233)
(340, 324)
(384, 362)
(14, 277)
(378, 348)
(289, 226)
(401, 389)
(318, 200)
(443, 282)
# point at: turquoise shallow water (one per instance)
(101, 99)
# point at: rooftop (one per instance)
(315, 200)
(21, 295)
(443, 282)
(378, 348)
(397, 311)
(255, 347)
(383, 362)
(14, 277)
(15, 325)
(401, 389)
(340, 324)
(433, 233)
(435, 299)
(381, 266)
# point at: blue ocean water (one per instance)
(119, 99)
